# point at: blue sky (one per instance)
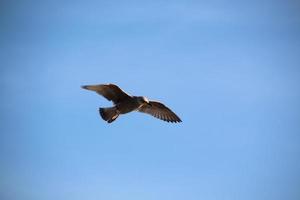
(230, 69)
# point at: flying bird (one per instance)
(125, 103)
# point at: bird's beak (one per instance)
(90, 87)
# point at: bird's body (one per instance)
(124, 103)
(127, 106)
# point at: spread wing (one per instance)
(160, 111)
(110, 91)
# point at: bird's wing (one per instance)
(160, 111)
(109, 91)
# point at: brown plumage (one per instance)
(124, 103)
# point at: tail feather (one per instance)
(109, 114)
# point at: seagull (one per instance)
(125, 103)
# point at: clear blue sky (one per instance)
(230, 69)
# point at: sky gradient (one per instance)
(229, 69)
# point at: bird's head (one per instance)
(143, 101)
